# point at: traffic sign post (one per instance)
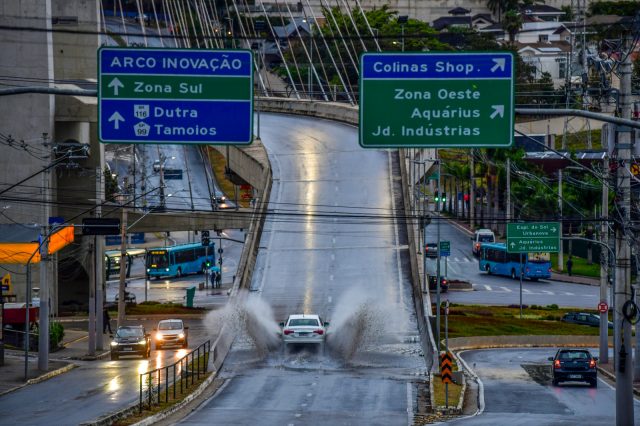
(446, 374)
(533, 237)
(426, 99)
(175, 96)
(445, 248)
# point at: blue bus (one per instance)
(494, 259)
(176, 261)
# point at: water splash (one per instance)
(250, 317)
(360, 321)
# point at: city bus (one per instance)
(176, 261)
(494, 259)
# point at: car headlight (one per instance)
(167, 269)
(181, 335)
(148, 270)
(142, 342)
(114, 343)
(158, 336)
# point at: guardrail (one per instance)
(159, 385)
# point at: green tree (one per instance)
(110, 185)
(512, 22)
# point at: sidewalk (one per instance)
(12, 373)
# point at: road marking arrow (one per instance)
(497, 109)
(116, 118)
(116, 84)
(499, 64)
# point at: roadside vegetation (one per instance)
(218, 164)
(478, 320)
(153, 307)
(580, 266)
(439, 392)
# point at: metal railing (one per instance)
(162, 384)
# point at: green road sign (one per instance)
(445, 247)
(436, 99)
(533, 237)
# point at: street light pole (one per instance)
(438, 259)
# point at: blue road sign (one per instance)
(175, 96)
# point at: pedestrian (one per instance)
(212, 276)
(106, 321)
(218, 279)
(569, 265)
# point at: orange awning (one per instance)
(19, 253)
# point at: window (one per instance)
(543, 38)
(157, 259)
(303, 322)
(562, 67)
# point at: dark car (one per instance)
(444, 284)
(131, 340)
(584, 318)
(574, 365)
(431, 250)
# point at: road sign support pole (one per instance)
(123, 255)
(446, 346)
(520, 273)
(438, 260)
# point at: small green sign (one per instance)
(533, 237)
(445, 246)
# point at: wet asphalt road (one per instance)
(518, 391)
(353, 271)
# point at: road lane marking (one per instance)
(507, 289)
(488, 287)
(409, 405)
(524, 290)
(550, 293)
(566, 293)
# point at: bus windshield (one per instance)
(157, 259)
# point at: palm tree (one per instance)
(511, 23)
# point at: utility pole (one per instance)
(123, 256)
(92, 298)
(561, 248)
(604, 270)
(622, 326)
(98, 261)
(43, 334)
(508, 213)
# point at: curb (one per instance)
(41, 378)
(612, 377)
(176, 407)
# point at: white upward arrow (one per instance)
(497, 109)
(513, 244)
(499, 64)
(116, 84)
(116, 118)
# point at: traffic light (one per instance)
(436, 197)
(205, 238)
(444, 197)
(208, 263)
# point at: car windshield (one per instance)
(574, 355)
(487, 238)
(130, 332)
(170, 325)
(309, 322)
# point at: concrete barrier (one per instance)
(527, 341)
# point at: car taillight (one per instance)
(444, 282)
(592, 363)
(287, 332)
(320, 332)
(549, 270)
(556, 363)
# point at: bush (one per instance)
(56, 334)
(552, 307)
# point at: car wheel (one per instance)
(554, 382)
(488, 269)
(185, 344)
(179, 273)
(513, 274)
(114, 356)
(594, 383)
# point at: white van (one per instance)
(479, 237)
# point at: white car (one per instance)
(304, 329)
(171, 332)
